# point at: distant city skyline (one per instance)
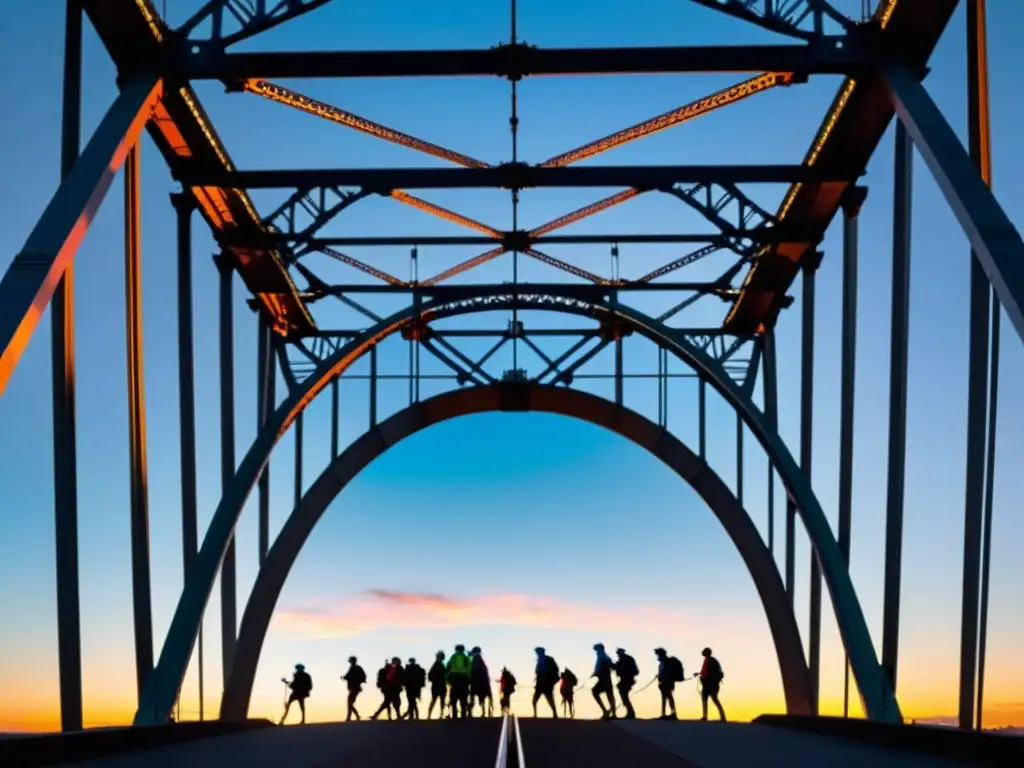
(503, 530)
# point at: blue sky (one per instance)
(457, 510)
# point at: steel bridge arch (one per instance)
(158, 697)
(563, 401)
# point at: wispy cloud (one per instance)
(382, 608)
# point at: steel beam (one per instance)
(65, 459)
(298, 458)
(898, 351)
(142, 600)
(35, 272)
(851, 209)
(996, 242)
(702, 397)
(519, 60)
(978, 361)
(228, 594)
(767, 235)
(806, 455)
(509, 176)
(334, 419)
(769, 372)
(265, 403)
(185, 205)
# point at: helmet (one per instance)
(476, 649)
(300, 667)
(539, 650)
(598, 646)
(351, 659)
(412, 660)
(706, 652)
(460, 648)
(396, 660)
(659, 652)
(440, 654)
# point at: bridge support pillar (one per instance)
(806, 456)
(851, 209)
(142, 600)
(266, 376)
(185, 205)
(65, 463)
(228, 594)
(769, 373)
(898, 350)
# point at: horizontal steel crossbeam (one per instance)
(508, 176)
(757, 235)
(519, 60)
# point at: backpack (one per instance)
(629, 670)
(715, 673)
(394, 676)
(358, 676)
(675, 670)
(551, 670)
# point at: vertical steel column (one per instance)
(264, 404)
(185, 204)
(852, 203)
(298, 460)
(806, 453)
(334, 418)
(228, 595)
(618, 368)
(373, 386)
(702, 418)
(898, 348)
(142, 601)
(978, 354)
(771, 412)
(990, 470)
(65, 461)
(739, 458)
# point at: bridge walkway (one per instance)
(546, 744)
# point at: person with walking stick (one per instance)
(298, 689)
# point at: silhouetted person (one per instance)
(437, 676)
(567, 689)
(507, 681)
(382, 675)
(711, 676)
(392, 689)
(547, 678)
(603, 667)
(627, 670)
(670, 672)
(415, 678)
(480, 684)
(354, 678)
(301, 686)
(459, 669)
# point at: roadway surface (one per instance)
(546, 744)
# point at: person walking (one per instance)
(301, 685)
(414, 679)
(711, 676)
(627, 670)
(547, 678)
(438, 679)
(603, 672)
(354, 678)
(458, 673)
(670, 672)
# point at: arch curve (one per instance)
(517, 397)
(158, 697)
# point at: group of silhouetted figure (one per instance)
(463, 681)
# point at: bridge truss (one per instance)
(279, 256)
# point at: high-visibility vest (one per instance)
(459, 664)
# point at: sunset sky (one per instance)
(502, 530)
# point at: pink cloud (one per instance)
(380, 608)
